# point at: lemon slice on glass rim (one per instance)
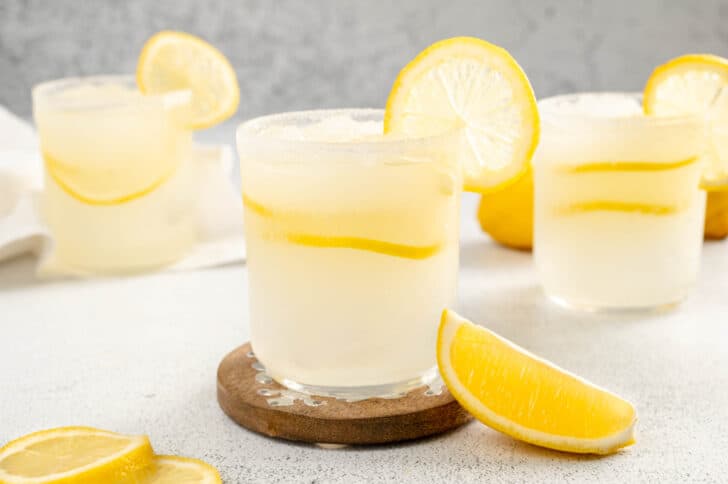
(468, 83)
(696, 84)
(177, 61)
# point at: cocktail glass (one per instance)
(119, 187)
(352, 249)
(618, 214)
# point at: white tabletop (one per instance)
(139, 355)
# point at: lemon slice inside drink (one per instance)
(75, 454)
(173, 61)
(470, 84)
(530, 399)
(696, 84)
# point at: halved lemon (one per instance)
(75, 455)
(473, 85)
(178, 470)
(696, 84)
(174, 61)
(530, 399)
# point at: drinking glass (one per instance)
(618, 214)
(352, 249)
(119, 190)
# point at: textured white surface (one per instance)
(139, 356)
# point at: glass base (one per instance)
(357, 393)
(602, 309)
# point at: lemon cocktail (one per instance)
(352, 218)
(120, 183)
(618, 207)
(339, 221)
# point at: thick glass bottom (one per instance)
(356, 393)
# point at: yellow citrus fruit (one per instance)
(526, 397)
(716, 215)
(507, 214)
(181, 470)
(471, 85)
(75, 455)
(175, 61)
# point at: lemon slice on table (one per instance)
(174, 61)
(75, 455)
(177, 470)
(470, 84)
(519, 394)
(696, 84)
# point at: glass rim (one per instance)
(249, 132)
(550, 115)
(47, 91)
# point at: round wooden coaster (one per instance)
(252, 399)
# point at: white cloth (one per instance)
(22, 229)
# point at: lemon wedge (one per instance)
(177, 470)
(519, 394)
(177, 61)
(696, 84)
(469, 84)
(75, 455)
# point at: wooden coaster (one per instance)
(252, 399)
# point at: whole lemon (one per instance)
(716, 215)
(507, 214)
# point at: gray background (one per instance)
(335, 53)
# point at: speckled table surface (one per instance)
(139, 355)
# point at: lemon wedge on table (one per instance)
(75, 455)
(469, 84)
(180, 470)
(530, 399)
(176, 61)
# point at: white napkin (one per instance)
(22, 229)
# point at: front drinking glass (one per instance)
(352, 249)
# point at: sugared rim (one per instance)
(550, 114)
(251, 132)
(46, 93)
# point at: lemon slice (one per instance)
(75, 455)
(530, 399)
(696, 84)
(174, 61)
(177, 470)
(328, 231)
(470, 84)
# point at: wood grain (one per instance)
(372, 421)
